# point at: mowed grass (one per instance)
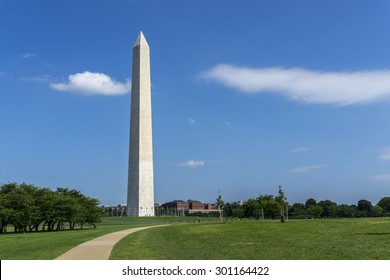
(48, 245)
(329, 239)
(155, 220)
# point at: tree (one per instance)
(310, 202)
(220, 203)
(19, 204)
(282, 200)
(364, 207)
(231, 209)
(354, 211)
(384, 202)
(91, 212)
(51, 208)
(344, 211)
(4, 213)
(298, 211)
(377, 211)
(270, 208)
(28, 208)
(251, 208)
(315, 211)
(238, 212)
(329, 208)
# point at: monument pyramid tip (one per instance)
(141, 40)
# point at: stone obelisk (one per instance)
(140, 196)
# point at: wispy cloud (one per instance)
(308, 168)
(191, 121)
(29, 55)
(41, 79)
(339, 88)
(227, 123)
(385, 154)
(301, 149)
(380, 178)
(192, 163)
(89, 83)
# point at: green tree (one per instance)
(4, 215)
(50, 205)
(344, 211)
(354, 211)
(298, 211)
(377, 211)
(220, 204)
(329, 208)
(315, 211)
(238, 212)
(310, 202)
(251, 208)
(91, 213)
(19, 205)
(384, 203)
(364, 207)
(268, 206)
(35, 210)
(230, 209)
(283, 203)
(219, 201)
(28, 208)
(6, 211)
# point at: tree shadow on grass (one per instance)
(377, 233)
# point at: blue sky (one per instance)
(246, 96)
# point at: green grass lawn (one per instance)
(367, 239)
(48, 245)
(154, 220)
(333, 239)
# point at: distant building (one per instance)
(196, 205)
(172, 208)
(181, 208)
(115, 211)
(177, 204)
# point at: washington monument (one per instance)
(140, 194)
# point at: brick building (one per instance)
(177, 204)
(181, 207)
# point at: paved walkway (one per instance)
(99, 248)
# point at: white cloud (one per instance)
(227, 123)
(380, 178)
(340, 88)
(90, 83)
(301, 149)
(29, 55)
(385, 154)
(308, 168)
(191, 121)
(192, 163)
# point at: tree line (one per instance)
(29, 208)
(272, 207)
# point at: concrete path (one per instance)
(99, 248)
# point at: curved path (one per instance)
(99, 248)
